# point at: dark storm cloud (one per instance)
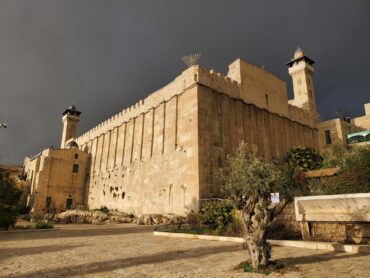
(105, 55)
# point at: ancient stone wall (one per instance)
(148, 164)
(225, 121)
(146, 158)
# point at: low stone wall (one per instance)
(285, 226)
(358, 233)
(339, 218)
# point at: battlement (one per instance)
(219, 82)
(299, 115)
(153, 100)
(229, 85)
(188, 78)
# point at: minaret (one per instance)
(71, 117)
(301, 71)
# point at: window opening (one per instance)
(48, 202)
(69, 203)
(327, 137)
(75, 168)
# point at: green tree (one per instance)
(249, 182)
(9, 197)
(305, 158)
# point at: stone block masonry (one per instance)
(161, 154)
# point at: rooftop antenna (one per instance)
(192, 59)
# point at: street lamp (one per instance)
(4, 125)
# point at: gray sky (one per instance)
(105, 55)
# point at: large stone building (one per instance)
(161, 155)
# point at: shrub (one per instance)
(193, 219)
(44, 225)
(234, 228)
(24, 210)
(9, 193)
(217, 215)
(305, 158)
(334, 155)
(103, 209)
(9, 197)
(8, 217)
(354, 173)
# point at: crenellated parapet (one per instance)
(204, 77)
(187, 79)
(299, 115)
(219, 82)
(176, 87)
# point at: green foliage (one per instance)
(217, 215)
(354, 173)
(274, 266)
(44, 225)
(193, 219)
(103, 209)
(245, 266)
(334, 155)
(248, 268)
(249, 182)
(305, 158)
(9, 193)
(235, 228)
(9, 197)
(253, 178)
(24, 210)
(215, 218)
(8, 216)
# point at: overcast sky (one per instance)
(105, 55)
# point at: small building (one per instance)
(340, 130)
(363, 121)
(57, 176)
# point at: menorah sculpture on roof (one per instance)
(191, 60)
(3, 125)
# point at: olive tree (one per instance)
(249, 182)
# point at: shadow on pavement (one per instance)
(67, 232)
(319, 258)
(6, 253)
(112, 265)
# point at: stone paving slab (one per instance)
(132, 251)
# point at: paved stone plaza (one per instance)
(133, 251)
